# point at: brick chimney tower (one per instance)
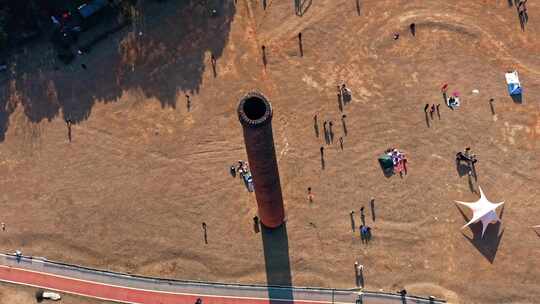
(255, 115)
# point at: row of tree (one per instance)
(16, 18)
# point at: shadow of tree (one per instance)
(163, 55)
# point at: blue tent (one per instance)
(513, 84)
(92, 7)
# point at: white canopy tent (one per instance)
(483, 211)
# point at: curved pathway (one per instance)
(125, 288)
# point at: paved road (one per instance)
(125, 288)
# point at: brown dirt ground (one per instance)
(131, 190)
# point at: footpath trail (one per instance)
(126, 288)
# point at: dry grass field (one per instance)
(130, 192)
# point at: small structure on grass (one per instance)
(483, 211)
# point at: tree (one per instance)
(3, 28)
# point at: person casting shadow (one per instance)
(300, 44)
(264, 56)
(213, 61)
(353, 224)
(344, 124)
(322, 158)
(68, 124)
(205, 233)
(491, 106)
(316, 125)
(256, 224)
(372, 206)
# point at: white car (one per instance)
(51, 295)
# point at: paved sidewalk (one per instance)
(39, 272)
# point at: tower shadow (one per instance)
(278, 266)
(489, 244)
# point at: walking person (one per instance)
(341, 142)
(340, 102)
(316, 125)
(368, 234)
(256, 224)
(68, 124)
(205, 233)
(310, 195)
(356, 273)
(492, 108)
(522, 13)
(188, 102)
(300, 44)
(438, 111)
(363, 232)
(264, 55)
(331, 132)
(404, 162)
(3, 226)
(326, 135)
(412, 27)
(213, 61)
(432, 111)
(360, 272)
(444, 90)
(372, 205)
(344, 124)
(322, 157)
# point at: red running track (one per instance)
(122, 294)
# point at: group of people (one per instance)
(453, 101)
(432, 110)
(522, 12)
(328, 132)
(344, 93)
(399, 160)
(468, 158)
(344, 96)
(243, 170)
(365, 230)
(365, 233)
